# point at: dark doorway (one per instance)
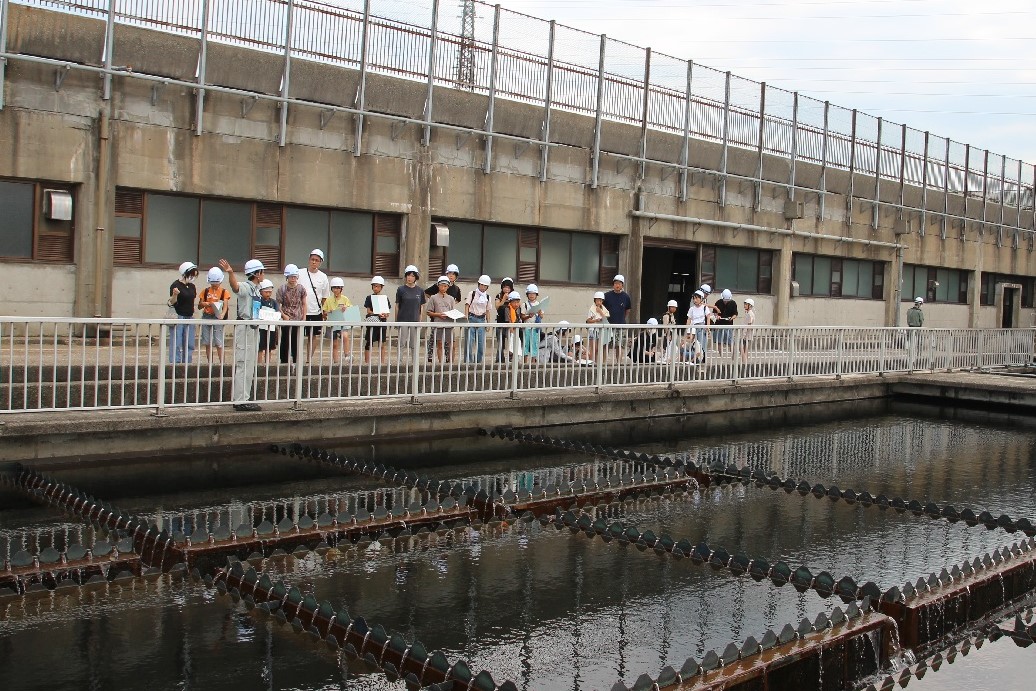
(668, 274)
(1007, 312)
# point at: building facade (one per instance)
(125, 150)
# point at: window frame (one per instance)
(47, 247)
(989, 280)
(835, 286)
(932, 275)
(763, 260)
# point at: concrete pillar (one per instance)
(893, 290)
(634, 264)
(414, 248)
(94, 219)
(782, 283)
(975, 289)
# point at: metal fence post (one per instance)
(596, 154)
(547, 98)
(644, 114)
(794, 144)
(414, 337)
(758, 187)
(852, 172)
(163, 355)
(361, 90)
(426, 138)
(946, 192)
(979, 360)
(674, 355)
(902, 170)
(924, 186)
(492, 91)
(822, 192)
(286, 75)
(516, 358)
(109, 39)
(300, 365)
(792, 347)
(839, 354)
(726, 142)
(599, 362)
(685, 155)
(203, 52)
(877, 178)
(3, 49)
(883, 353)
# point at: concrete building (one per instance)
(129, 146)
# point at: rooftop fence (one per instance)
(86, 364)
(521, 58)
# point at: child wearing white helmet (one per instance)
(476, 309)
(410, 301)
(726, 312)
(268, 311)
(531, 313)
(336, 304)
(214, 303)
(292, 297)
(644, 343)
(182, 294)
(669, 319)
(597, 314)
(747, 334)
(376, 333)
(438, 306)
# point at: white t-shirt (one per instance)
(478, 303)
(315, 282)
(697, 314)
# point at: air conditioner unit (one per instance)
(440, 235)
(794, 289)
(794, 209)
(57, 205)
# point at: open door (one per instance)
(667, 274)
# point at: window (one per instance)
(934, 284)
(741, 269)
(165, 229)
(987, 290)
(837, 277)
(528, 254)
(28, 233)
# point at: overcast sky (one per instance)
(957, 68)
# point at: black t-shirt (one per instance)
(727, 311)
(185, 299)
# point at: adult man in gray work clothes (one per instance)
(246, 336)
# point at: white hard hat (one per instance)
(253, 266)
(378, 280)
(337, 282)
(599, 294)
(513, 296)
(726, 295)
(750, 301)
(705, 288)
(411, 269)
(291, 270)
(484, 280)
(319, 253)
(700, 294)
(652, 321)
(672, 303)
(506, 279)
(919, 301)
(452, 268)
(443, 279)
(266, 284)
(577, 339)
(563, 323)
(532, 288)
(187, 266)
(215, 275)
(620, 278)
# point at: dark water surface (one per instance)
(545, 608)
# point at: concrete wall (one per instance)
(49, 134)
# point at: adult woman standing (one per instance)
(182, 295)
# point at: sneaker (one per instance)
(247, 407)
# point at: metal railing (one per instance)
(87, 364)
(521, 58)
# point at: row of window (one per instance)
(163, 229)
(527, 254)
(157, 229)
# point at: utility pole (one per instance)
(466, 55)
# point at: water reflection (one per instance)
(545, 608)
